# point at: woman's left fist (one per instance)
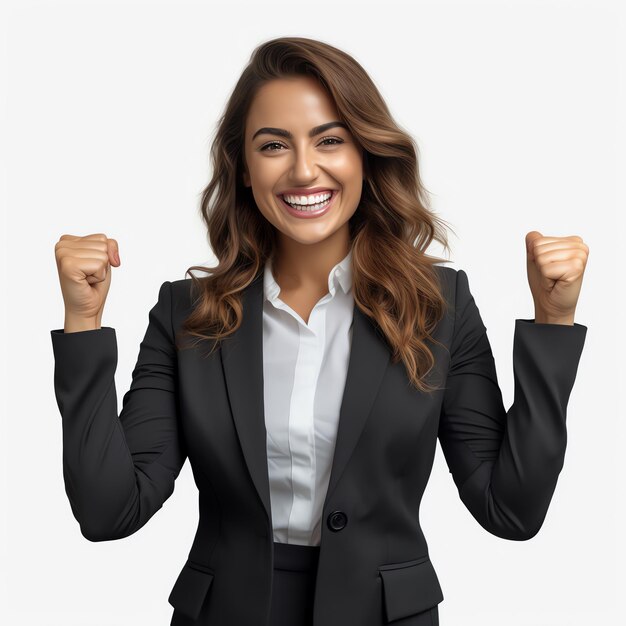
(555, 268)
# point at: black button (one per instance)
(337, 520)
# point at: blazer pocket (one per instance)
(190, 589)
(409, 587)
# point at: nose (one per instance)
(304, 165)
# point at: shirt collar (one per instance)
(340, 274)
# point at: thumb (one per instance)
(113, 250)
(530, 238)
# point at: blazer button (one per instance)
(337, 520)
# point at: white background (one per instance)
(109, 111)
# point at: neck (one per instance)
(298, 266)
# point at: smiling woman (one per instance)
(341, 352)
(305, 120)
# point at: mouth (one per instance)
(309, 211)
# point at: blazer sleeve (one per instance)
(118, 471)
(505, 464)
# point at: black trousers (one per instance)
(295, 568)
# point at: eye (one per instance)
(267, 147)
(332, 139)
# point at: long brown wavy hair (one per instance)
(399, 290)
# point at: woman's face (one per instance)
(283, 157)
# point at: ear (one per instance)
(246, 179)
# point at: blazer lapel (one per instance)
(242, 361)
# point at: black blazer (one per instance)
(374, 565)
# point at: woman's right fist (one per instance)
(84, 270)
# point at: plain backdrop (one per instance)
(109, 111)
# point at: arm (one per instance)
(118, 472)
(505, 464)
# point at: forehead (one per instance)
(295, 104)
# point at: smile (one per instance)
(324, 202)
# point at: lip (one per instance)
(309, 214)
(294, 191)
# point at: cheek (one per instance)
(348, 166)
(264, 172)
(261, 200)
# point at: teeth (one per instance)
(310, 207)
(307, 200)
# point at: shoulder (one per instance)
(179, 292)
(445, 272)
(455, 286)
(180, 286)
(447, 278)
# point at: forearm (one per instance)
(97, 467)
(511, 494)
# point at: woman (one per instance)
(329, 353)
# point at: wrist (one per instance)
(74, 324)
(544, 318)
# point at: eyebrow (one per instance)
(316, 130)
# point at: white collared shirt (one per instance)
(304, 374)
